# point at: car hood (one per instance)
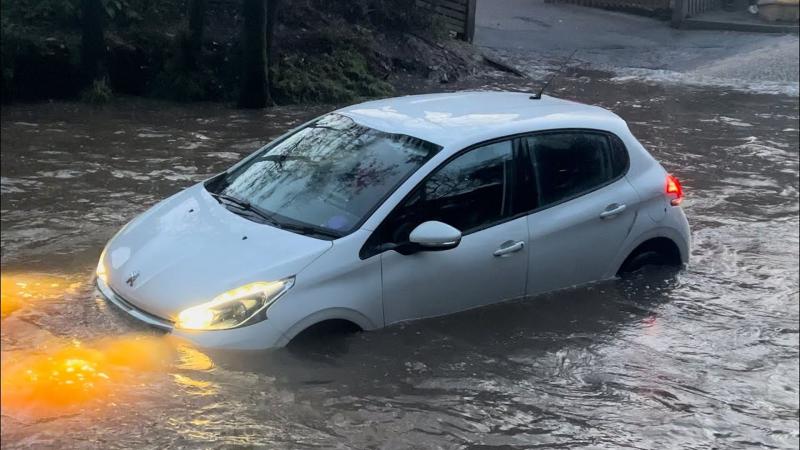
(188, 249)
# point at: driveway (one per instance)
(532, 34)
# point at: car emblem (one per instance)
(132, 278)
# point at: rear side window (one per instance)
(619, 157)
(570, 163)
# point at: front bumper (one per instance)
(131, 309)
(259, 336)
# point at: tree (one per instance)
(197, 15)
(92, 41)
(272, 17)
(254, 92)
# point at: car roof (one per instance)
(466, 117)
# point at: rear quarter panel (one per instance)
(648, 177)
(656, 217)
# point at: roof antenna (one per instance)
(538, 95)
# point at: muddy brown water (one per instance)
(705, 357)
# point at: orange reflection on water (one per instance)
(190, 358)
(193, 386)
(17, 289)
(68, 377)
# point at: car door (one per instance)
(584, 207)
(474, 193)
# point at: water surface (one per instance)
(700, 358)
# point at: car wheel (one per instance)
(646, 258)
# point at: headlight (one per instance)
(235, 307)
(101, 268)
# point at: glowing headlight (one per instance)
(101, 268)
(235, 307)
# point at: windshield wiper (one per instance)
(246, 206)
(307, 229)
(237, 201)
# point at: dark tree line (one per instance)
(257, 42)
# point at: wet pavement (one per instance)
(705, 357)
(528, 34)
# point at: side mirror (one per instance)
(433, 235)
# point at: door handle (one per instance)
(613, 210)
(509, 247)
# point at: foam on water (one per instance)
(700, 79)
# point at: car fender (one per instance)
(651, 233)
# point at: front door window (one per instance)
(470, 192)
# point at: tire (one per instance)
(645, 258)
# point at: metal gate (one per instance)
(684, 9)
(457, 16)
(643, 5)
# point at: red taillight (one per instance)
(674, 188)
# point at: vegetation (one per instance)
(97, 93)
(253, 52)
(338, 76)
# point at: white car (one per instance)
(394, 210)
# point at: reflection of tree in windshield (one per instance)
(466, 193)
(477, 169)
(458, 181)
(329, 174)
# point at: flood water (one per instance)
(706, 357)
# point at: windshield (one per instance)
(328, 176)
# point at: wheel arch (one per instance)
(675, 235)
(665, 247)
(345, 315)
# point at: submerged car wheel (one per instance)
(655, 252)
(649, 258)
(323, 339)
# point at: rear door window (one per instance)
(570, 163)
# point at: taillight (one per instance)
(674, 188)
